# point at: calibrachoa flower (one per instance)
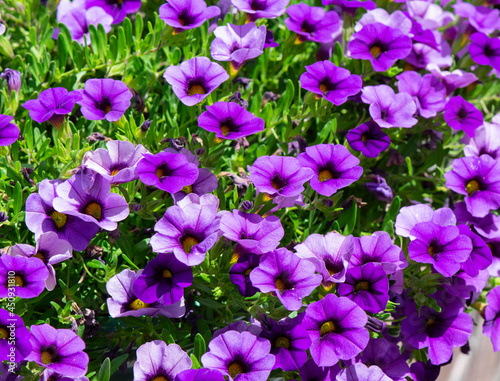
(312, 23)
(13, 78)
(336, 327)
(230, 121)
(50, 375)
(310, 371)
(396, 19)
(187, 14)
(333, 165)
(333, 83)
(486, 140)
(52, 105)
(452, 80)
(239, 326)
(195, 79)
(483, 19)
(200, 375)
(239, 274)
(409, 216)
(480, 257)
(462, 115)
(487, 227)
(9, 132)
(288, 276)
(491, 326)
(29, 276)
(14, 337)
(369, 139)
(360, 372)
(118, 9)
(256, 9)
(241, 356)
(485, 50)
(351, 4)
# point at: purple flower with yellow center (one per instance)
(337, 330)
(478, 178)
(333, 83)
(183, 15)
(241, 356)
(380, 44)
(124, 301)
(60, 350)
(96, 204)
(256, 9)
(486, 140)
(200, 375)
(409, 216)
(491, 326)
(117, 163)
(369, 139)
(26, 275)
(167, 171)
(485, 50)
(118, 9)
(230, 121)
(389, 109)
(193, 80)
(462, 115)
(287, 276)
(333, 165)
(52, 105)
(279, 175)
(239, 274)
(9, 132)
(360, 372)
(12, 327)
(312, 23)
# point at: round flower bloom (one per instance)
(456, 79)
(12, 327)
(333, 83)
(195, 79)
(336, 327)
(187, 14)
(462, 115)
(491, 326)
(485, 141)
(333, 165)
(230, 121)
(239, 274)
(29, 275)
(9, 132)
(485, 50)
(241, 356)
(104, 99)
(256, 9)
(312, 23)
(360, 372)
(117, 9)
(52, 105)
(369, 139)
(409, 216)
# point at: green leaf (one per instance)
(139, 26)
(196, 363)
(116, 362)
(18, 198)
(96, 264)
(393, 211)
(105, 370)
(338, 54)
(200, 347)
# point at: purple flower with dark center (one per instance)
(183, 15)
(369, 139)
(230, 121)
(117, 163)
(52, 105)
(379, 187)
(452, 80)
(491, 326)
(409, 216)
(462, 115)
(239, 274)
(421, 371)
(97, 204)
(164, 280)
(380, 44)
(167, 171)
(118, 9)
(279, 175)
(241, 356)
(312, 23)
(256, 9)
(333, 83)
(13, 78)
(26, 275)
(14, 337)
(104, 99)
(9, 132)
(465, 286)
(483, 19)
(124, 301)
(389, 109)
(336, 327)
(480, 257)
(478, 178)
(485, 50)
(160, 362)
(486, 140)
(200, 375)
(360, 372)
(333, 165)
(60, 350)
(195, 79)
(287, 276)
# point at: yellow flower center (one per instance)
(472, 186)
(431, 321)
(280, 285)
(18, 281)
(432, 250)
(3, 333)
(40, 256)
(94, 209)
(46, 357)
(247, 273)
(323, 88)
(187, 189)
(234, 369)
(188, 243)
(375, 51)
(324, 175)
(282, 342)
(196, 89)
(363, 285)
(160, 172)
(114, 172)
(225, 129)
(266, 197)
(160, 378)
(59, 219)
(137, 304)
(166, 274)
(327, 327)
(364, 138)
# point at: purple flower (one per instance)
(487, 227)
(230, 121)
(336, 327)
(104, 99)
(333, 165)
(486, 140)
(256, 9)
(26, 275)
(478, 178)
(183, 15)
(195, 79)
(452, 80)
(491, 326)
(351, 4)
(360, 372)
(409, 216)
(286, 275)
(326, 80)
(462, 115)
(50, 375)
(483, 19)
(485, 50)
(14, 337)
(239, 326)
(480, 257)
(240, 271)
(312, 372)
(60, 350)
(396, 20)
(379, 187)
(200, 375)
(118, 9)
(241, 356)
(389, 109)
(429, 15)
(117, 164)
(13, 78)
(312, 23)
(369, 139)
(9, 132)
(380, 44)
(52, 105)
(424, 371)
(96, 204)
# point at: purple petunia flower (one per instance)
(333, 83)
(50, 375)
(483, 19)
(480, 257)
(239, 274)
(26, 275)
(380, 44)
(379, 187)
(487, 227)
(351, 4)
(491, 325)
(60, 350)
(200, 375)
(183, 15)
(360, 372)
(421, 371)
(486, 140)
(429, 15)
(104, 99)
(396, 19)
(478, 178)
(409, 216)
(485, 50)
(369, 139)
(117, 164)
(9, 132)
(312, 372)
(256, 9)
(14, 337)
(389, 109)
(195, 79)
(239, 326)
(312, 23)
(452, 80)
(13, 78)
(462, 115)
(241, 356)
(336, 327)
(286, 275)
(118, 9)
(52, 105)
(230, 121)
(333, 165)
